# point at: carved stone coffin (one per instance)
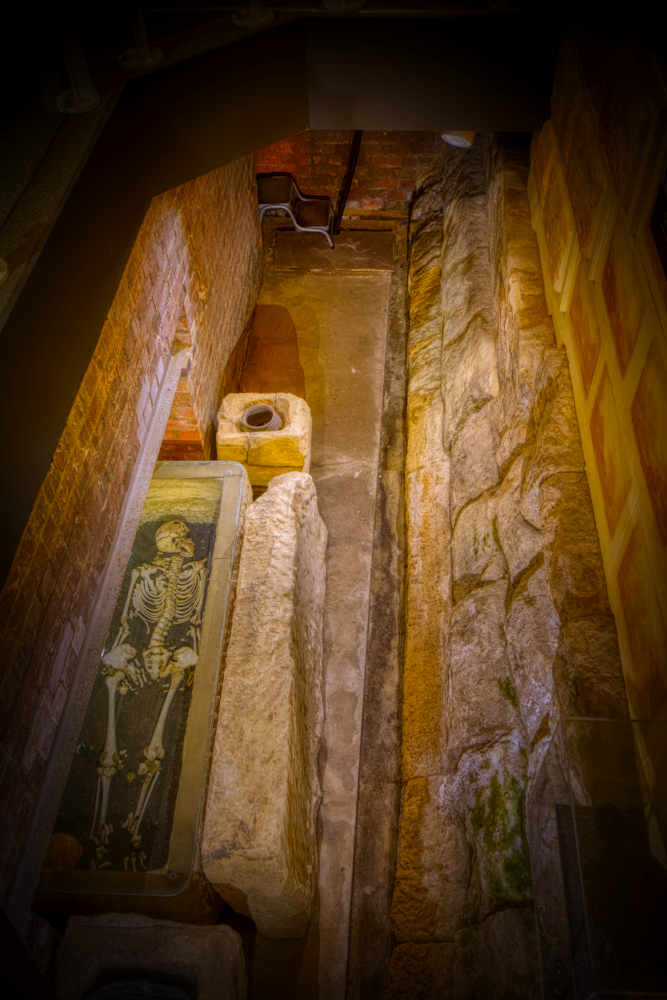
(128, 824)
(260, 845)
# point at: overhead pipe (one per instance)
(347, 180)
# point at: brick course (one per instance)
(198, 252)
(388, 168)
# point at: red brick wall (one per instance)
(183, 440)
(388, 166)
(197, 251)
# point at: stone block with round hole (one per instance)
(268, 433)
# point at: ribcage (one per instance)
(150, 592)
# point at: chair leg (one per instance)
(315, 229)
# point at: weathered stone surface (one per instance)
(421, 972)
(265, 454)
(466, 286)
(429, 599)
(532, 628)
(474, 468)
(462, 850)
(469, 375)
(487, 796)
(519, 595)
(433, 866)
(572, 552)
(588, 672)
(427, 496)
(557, 445)
(259, 847)
(97, 948)
(479, 698)
(520, 541)
(507, 944)
(477, 557)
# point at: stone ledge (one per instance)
(259, 849)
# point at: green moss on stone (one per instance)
(498, 819)
(508, 691)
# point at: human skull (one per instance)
(174, 537)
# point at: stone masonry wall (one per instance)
(597, 166)
(197, 253)
(508, 622)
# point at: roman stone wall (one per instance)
(597, 166)
(508, 625)
(196, 256)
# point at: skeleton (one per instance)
(162, 593)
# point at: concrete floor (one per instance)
(342, 321)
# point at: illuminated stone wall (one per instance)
(508, 625)
(596, 168)
(197, 254)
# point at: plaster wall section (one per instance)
(596, 167)
(195, 260)
(507, 619)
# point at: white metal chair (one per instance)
(309, 214)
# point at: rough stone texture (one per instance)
(379, 798)
(97, 950)
(259, 848)
(341, 322)
(265, 454)
(506, 943)
(421, 971)
(507, 619)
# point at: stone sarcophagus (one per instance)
(260, 847)
(129, 819)
(265, 447)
